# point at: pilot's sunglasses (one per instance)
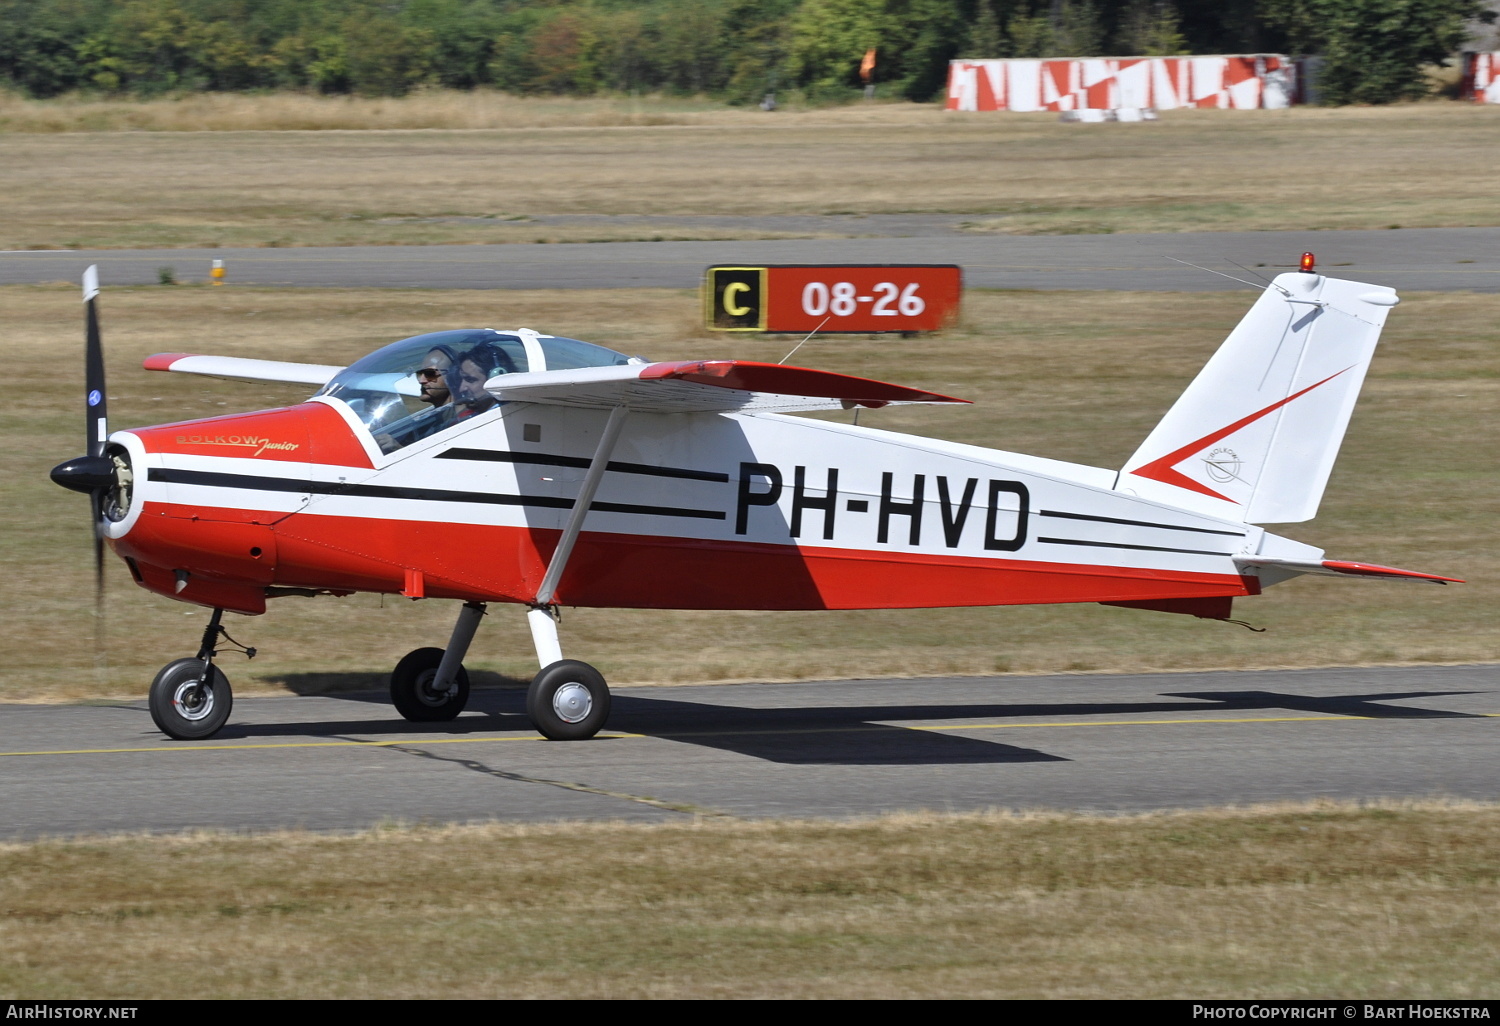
(429, 373)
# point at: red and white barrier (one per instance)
(1237, 82)
(1482, 77)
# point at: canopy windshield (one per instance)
(421, 385)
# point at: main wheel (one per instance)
(412, 692)
(185, 705)
(568, 701)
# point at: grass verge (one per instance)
(308, 112)
(1303, 168)
(1081, 377)
(1393, 901)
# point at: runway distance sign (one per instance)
(831, 298)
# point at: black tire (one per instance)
(185, 709)
(559, 709)
(411, 688)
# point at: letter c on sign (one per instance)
(731, 307)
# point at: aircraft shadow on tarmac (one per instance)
(854, 735)
(363, 686)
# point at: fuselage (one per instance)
(695, 511)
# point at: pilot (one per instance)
(432, 376)
(467, 377)
(432, 384)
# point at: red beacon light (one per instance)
(1307, 263)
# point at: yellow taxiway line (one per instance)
(669, 735)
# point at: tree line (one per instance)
(735, 49)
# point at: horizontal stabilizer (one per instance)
(240, 369)
(705, 386)
(1343, 568)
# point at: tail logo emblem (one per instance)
(1223, 465)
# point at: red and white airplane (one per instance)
(511, 466)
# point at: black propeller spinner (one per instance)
(94, 474)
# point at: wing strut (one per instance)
(543, 626)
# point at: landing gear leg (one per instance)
(430, 684)
(568, 700)
(190, 698)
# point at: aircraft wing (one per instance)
(705, 386)
(241, 369)
(1344, 568)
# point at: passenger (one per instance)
(466, 379)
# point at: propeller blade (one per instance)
(98, 566)
(96, 426)
(95, 409)
(96, 472)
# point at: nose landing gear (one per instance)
(188, 702)
(190, 698)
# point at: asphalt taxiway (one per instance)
(1415, 259)
(816, 749)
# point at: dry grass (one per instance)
(1081, 377)
(1193, 170)
(1393, 901)
(302, 112)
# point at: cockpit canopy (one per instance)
(421, 385)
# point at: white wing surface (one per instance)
(241, 369)
(694, 386)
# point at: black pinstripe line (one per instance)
(283, 484)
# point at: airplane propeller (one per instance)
(94, 474)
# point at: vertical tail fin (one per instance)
(1255, 435)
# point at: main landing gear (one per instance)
(190, 698)
(567, 700)
(430, 684)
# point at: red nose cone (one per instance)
(1307, 263)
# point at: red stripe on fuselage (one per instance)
(494, 563)
(651, 572)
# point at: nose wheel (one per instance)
(190, 698)
(189, 704)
